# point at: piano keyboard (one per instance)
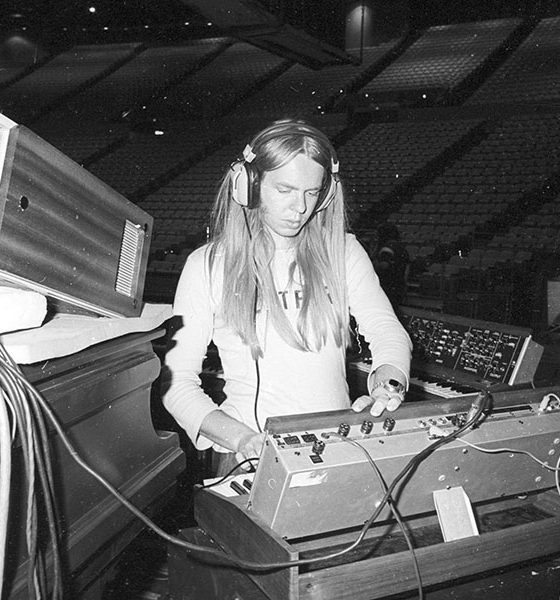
(427, 385)
(443, 389)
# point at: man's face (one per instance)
(289, 195)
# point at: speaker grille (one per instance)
(129, 260)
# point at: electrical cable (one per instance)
(228, 474)
(226, 559)
(557, 476)
(5, 473)
(257, 392)
(255, 309)
(395, 513)
(257, 367)
(28, 420)
(40, 469)
(41, 456)
(220, 480)
(510, 450)
(22, 417)
(47, 477)
(33, 394)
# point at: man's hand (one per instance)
(250, 445)
(379, 400)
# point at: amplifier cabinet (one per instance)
(65, 233)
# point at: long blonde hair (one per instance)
(246, 248)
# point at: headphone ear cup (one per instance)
(331, 193)
(244, 184)
(240, 184)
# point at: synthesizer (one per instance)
(455, 356)
(315, 473)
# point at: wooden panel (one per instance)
(191, 579)
(243, 535)
(101, 397)
(444, 574)
(384, 575)
(516, 533)
(61, 227)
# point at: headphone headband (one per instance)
(244, 179)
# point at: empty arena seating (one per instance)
(212, 90)
(531, 74)
(485, 183)
(56, 79)
(138, 80)
(435, 64)
(149, 155)
(384, 156)
(469, 183)
(82, 141)
(301, 90)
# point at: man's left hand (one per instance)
(379, 400)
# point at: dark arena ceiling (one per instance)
(60, 22)
(30, 29)
(53, 24)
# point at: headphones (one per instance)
(245, 178)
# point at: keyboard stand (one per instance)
(505, 556)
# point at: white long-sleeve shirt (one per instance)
(292, 381)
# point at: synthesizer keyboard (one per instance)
(440, 388)
(426, 386)
(454, 356)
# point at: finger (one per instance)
(256, 445)
(394, 403)
(379, 406)
(361, 403)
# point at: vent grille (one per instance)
(129, 260)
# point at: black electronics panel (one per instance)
(486, 351)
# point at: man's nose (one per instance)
(299, 202)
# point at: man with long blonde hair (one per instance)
(274, 290)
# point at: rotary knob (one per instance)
(389, 424)
(343, 429)
(366, 427)
(318, 446)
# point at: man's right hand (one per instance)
(251, 445)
